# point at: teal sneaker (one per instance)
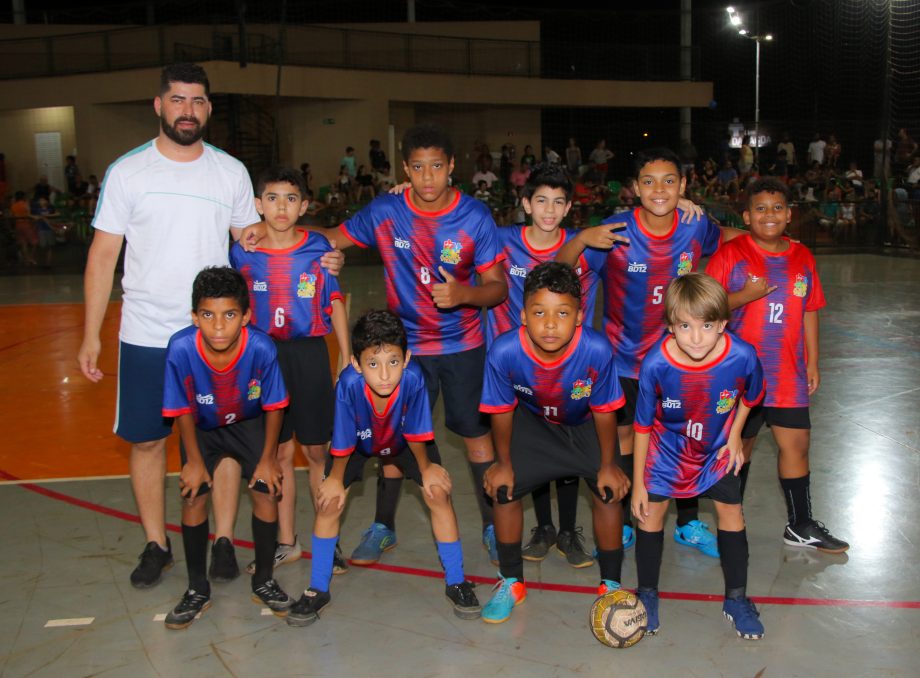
(629, 537)
(489, 543)
(697, 534)
(507, 593)
(375, 540)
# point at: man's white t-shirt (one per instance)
(816, 150)
(176, 219)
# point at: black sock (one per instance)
(485, 508)
(745, 469)
(733, 553)
(797, 492)
(265, 536)
(649, 547)
(687, 509)
(567, 496)
(611, 564)
(510, 560)
(388, 490)
(195, 541)
(542, 505)
(626, 465)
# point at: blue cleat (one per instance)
(375, 540)
(697, 534)
(507, 593)
(743, 615)
(629, 537)
(489, 543)
(649, 598)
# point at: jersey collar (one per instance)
(199, 346)
(528, 349)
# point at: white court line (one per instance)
(266, 612)
(159, 617)
(77, 479)
(78, 621)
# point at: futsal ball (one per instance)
(618, 619)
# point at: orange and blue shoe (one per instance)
(507, 594)
(607, 586)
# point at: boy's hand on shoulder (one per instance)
(333, 261)
(690, 210)
(639, 502)
(331, 494)
(433, 476)
(603, 237)
(191, 478)
(252, 235)
(497, 476)
(268, 472)
(814, 378)
(399, 188)
(757, 287)
(449, 293)
(611, 476)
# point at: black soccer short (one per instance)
(542, 451)
(626, 415)
(304, 365)
(404, 460)
(243, 441)
(459, 377)
(726, 491)
(786, 417)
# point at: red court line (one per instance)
(437, 574)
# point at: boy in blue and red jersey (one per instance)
(636, 258)
(775, 293)
(696, 388)
(297, 303)
(547, 199)
(221, 376)
(562, 375)
(381, 410)
(434, 241)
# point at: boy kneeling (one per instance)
(381, 408)
(220, 377)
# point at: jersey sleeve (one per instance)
(114, 209)
(488, 248)
(497, 390)
(175, 395)
(237, 256)
(274, 392)
(418, 427)
(344, 436)
(244, 205)
(710, 235)
(646, 400)
(754, 385)
(593, 259)
(816, 298)
(607, 395)
(360, 227)
(719, 267)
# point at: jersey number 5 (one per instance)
(657, 296)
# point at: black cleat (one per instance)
(153, 562)
(306, 610)
(571, 544)
(339, 564)
(466, 605)
(812, 534)
(271, 595)
(224, 567)
(192, 604)
(542, 538)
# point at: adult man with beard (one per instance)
(174, 199)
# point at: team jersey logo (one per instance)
(254, 392)
(726, 401)
(686, 263)
(671, 404)
(636, 267)
(402, 244)
(259, 286)
(582, 388)
(518, 271)
(450, 252)
(204, 398)
(306, 286)
(800, 286)
(364, 435)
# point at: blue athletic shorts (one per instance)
(139, 404)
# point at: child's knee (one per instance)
(264, 506)
(315, 454)
(439, 499)
(286, 453)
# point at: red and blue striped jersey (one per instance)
(688, 414)
(289, 291)
(251, 383)
(581, 381)
(774, 324)
(358, 425)
(413, 244)
(635, 278)
(520, 259)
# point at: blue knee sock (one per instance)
(321, 571)
(452, 560)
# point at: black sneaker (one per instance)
(466, 605)
(542, 538)
(306, 610)
(271, 595)
(812, 534)
(224, 567)
(572, 546)
(153, 562)
(339, 564)
(192, 604)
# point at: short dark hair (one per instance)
(220, 282)
(550, 174)
(426, 135)
(767, 185)
(644, 157)
(554, 276)
(280, 174)
(184, 72)
(376, 328)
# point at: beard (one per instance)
(184, 137)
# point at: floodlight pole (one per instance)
(757, 104)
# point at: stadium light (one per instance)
(735, 20)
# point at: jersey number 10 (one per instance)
(694, 430)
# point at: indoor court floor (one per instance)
(70, 536)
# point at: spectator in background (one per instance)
(486, 175)
(688, 156)
(816, 149)
(307, 174)
(573, 158)
(43, 190)
(855, 176)
(780, 168)
(904, 149)
(529, 156)
(832, 151)
(364, 184)
(376, 156)
(727, 175)
(350, 163)
(745, 159)
(384, 179)
(507, 163)
(71, 172)
(880, 166)
(787, 146)
(913, 178)
(519, 177)
(344, 183)
(482, 191)
(549, 155)
(26, 235)
(599, 159)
